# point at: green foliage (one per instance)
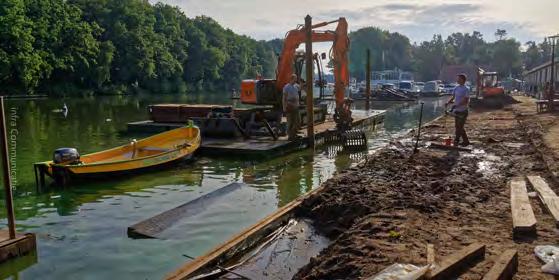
(59, 46)
(388, 51)
(74, 46)
(426, 59)
(429, 58)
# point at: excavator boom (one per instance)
(339, 55)
(269, 92)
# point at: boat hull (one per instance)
(151, 153)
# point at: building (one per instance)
(536, 77)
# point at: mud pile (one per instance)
(386, 210)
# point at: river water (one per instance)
(81, 230)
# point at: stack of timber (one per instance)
(523, 218)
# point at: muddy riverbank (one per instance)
(389, 208)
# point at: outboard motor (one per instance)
(66, 156)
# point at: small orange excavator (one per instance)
(493, 95)
(269, 91)
(488, 85)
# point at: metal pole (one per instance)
(552, 81)
(418, 128)
(368, 77)
(309, 70)
(6, 173)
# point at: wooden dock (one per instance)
(19, 246)
(256, 146)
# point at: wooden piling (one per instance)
(11, 244)
(368, 80)
(6, 173)
(309, 70)
(551, 93)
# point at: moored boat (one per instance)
(147, 153)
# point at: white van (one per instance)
(432, 87)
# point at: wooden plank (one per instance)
(430, 253)
(149, 228)
(458, 262)
(21, 245)
(547, 196)
(239, 243)
(505, 267)
(523, 219)
(448, 148)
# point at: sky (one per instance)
(264, 19)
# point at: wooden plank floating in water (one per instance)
(456, 263)
(151, 227)
(505, 266)
(523, 219)
(239, 243)
(547, 196)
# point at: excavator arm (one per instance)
(269, 92)
(338, 55)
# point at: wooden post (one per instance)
(551, 88)
(368, 79)
(478, 82)
(309, 70)
(6, 173)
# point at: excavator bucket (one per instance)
(354, 140)
(349, 140)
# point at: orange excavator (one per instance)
(489, 88)
(269, 91)
(488, 85)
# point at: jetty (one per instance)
(234, 144)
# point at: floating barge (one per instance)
(226, 140)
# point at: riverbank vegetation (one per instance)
(68, 47)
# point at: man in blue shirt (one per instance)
(291, 107)
(461, 98)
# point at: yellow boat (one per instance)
(151, 152)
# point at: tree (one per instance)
(62, 46)
(388, 50)
(500, 34)
(429, 58)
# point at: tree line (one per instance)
(76, 46)
(427, 58)
(112, 46)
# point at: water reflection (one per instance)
(82, 229)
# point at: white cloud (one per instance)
(419, 20)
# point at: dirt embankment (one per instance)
(387, 210)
